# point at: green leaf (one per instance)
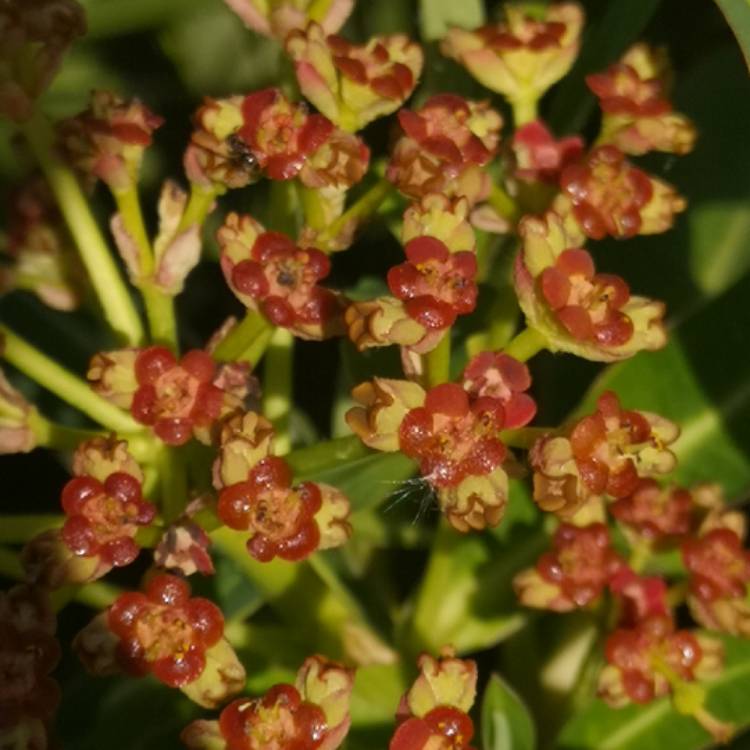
(370, 480)
(506, 722)
(658, 725)
(436, 16)
(737, 13)
(465, 597)
(701, 380)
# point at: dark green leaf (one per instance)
(658, 725)
(737, 13)
(436, 16)
(506, 723)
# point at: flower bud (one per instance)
(107, 141)
(522, 56)
(245, 440)
(280, 17)
(350, 84)
(339, 163)
(477, 502)
(112, 376)
(384, 404)
(49, 562)
(16, 417)
(96, 645)
(184, 549)
(443, 218)
(332, 518)
(445, 681)
(36, 35)
(102, 456)
(43, 259)
(381, 322)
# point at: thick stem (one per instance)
(277, 387)
(63, 383)
(526, 344)
(437, 363)
(159, 306)
(365, 207)
(241, 337)
(524, 111)
(200, 205)
(307, 461)
(105, 277)
(173, 479)
(19, 529)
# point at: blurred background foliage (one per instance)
(170, 54)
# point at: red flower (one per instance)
(638, 653)
(103, 518)
(621, 90)
(719, 566)
(443, 126)
(281, 719)
(581, 562)
(613, 446)
(164, 631)
(608, 193)
(588, 304)
(452, 439)
(173, 397)
(435, 284)
(654, 513)
(283, 279)
(640, 597)
(280, 134)
(501, 377)
(443, 728)
(539, 156)
(280, 518)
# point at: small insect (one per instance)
(241, 157)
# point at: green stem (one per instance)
(19, 529)
(524, 437)
(503, 204)
(199, 206)
(173, 479)
(253, 354)
(63, 383)
(159, 306)
(313, 207)
(241, 337)
(106, 279)
(524, 111)
(277, 387)
(526, 344)
(58, 436)
(437, 363)
(362, 209)
(307, 461)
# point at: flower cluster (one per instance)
(28, 653)
(490, 211)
